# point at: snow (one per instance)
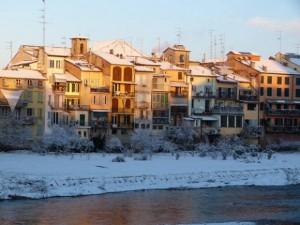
(22, 74)
(118, 47)
(201, 71)
(112, 59)
(168, 66)
(37, 176)
(225, 79)
(227, 223)
(58, 51)
(143, 69)
(295, 61)
(65, 77)
(271, 66)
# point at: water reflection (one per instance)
(160, 207)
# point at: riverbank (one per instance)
(31, 175)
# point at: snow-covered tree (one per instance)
(114, 145)
(13, 134)
(66, 140)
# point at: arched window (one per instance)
(81, 48)
(117, 73)
(127, 104)
(128, 74)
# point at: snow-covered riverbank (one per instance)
(35, 176)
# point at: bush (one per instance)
(141, 157)
(118, 159)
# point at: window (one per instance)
(286, 92)
(298, 93)
(262, 79)
(84, 133)
(79, 133)
(179, 75)
(223, 121)
(81, 48)
(287, 80)
(269, 80)
(278, 106)
(231, 121)
(278, 92)
(279, 80)
(285, 106)
(278, 122)
(143, 126)
(136, 126)
(117, 73)
(128, 74)
(251, 106)
(51, 63)
(29, 112)
(239, 121)
(127, 104)
(40, 97)
(29, 83)
(298, 81)
(261, 91)
(73, 87)
(181, 58)
(269, 91)
(40, 113)
(57, 63)
(18, 82)
(261, 106)
(40, 83)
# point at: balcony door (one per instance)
(82, 119)
(207, 105)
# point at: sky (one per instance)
(242, 25)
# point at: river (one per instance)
(263, 205)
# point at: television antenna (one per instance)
(10, 48)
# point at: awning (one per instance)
(178, 84)
(65, 77)
(205, 118)
(12, 97)
(101, 110)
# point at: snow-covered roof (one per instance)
(65, 77)
(143, 69)
(164, 65)
(201, 71)
(225, 79)
(238, 78)
(112, 59)
(205, 118)
(22, 74)
(83, 65)
(177, 47)
(58, 51)
(142, 61)
(242, 53)
(295, 61)
(269, 66)
(120, 47)
(24, 62)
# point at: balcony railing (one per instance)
(99, 89)
(29, 120)
(228, 109)
(122, 125)
(77, 107)
(283, 112)
(225, 95)
(196, 111)
(178, 95)
(122, 110)
(204, 95)
(124, 94)
(142, 105)
(160, 120)
(244, 97)
(283, 129)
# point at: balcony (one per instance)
(142, 105)
(178, 98)
(204, 94)
(123, 125)
(283, 129)
(196, 111)
(122, 110)
(123, 94)
(99, 124)
(59, 88)
(228, 109)
(227, 95)
(77, 107)
(246, 97)
(99, 89)
(283, 112)
(29, 120)
(160, 120)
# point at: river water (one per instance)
(264, 205)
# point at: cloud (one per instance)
(289, 26)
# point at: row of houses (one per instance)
(111, 88)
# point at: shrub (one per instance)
(118, 159)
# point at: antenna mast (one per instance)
(211, 44)
(179, 34)
(280, 40)
(10, 48)
(44, 22)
